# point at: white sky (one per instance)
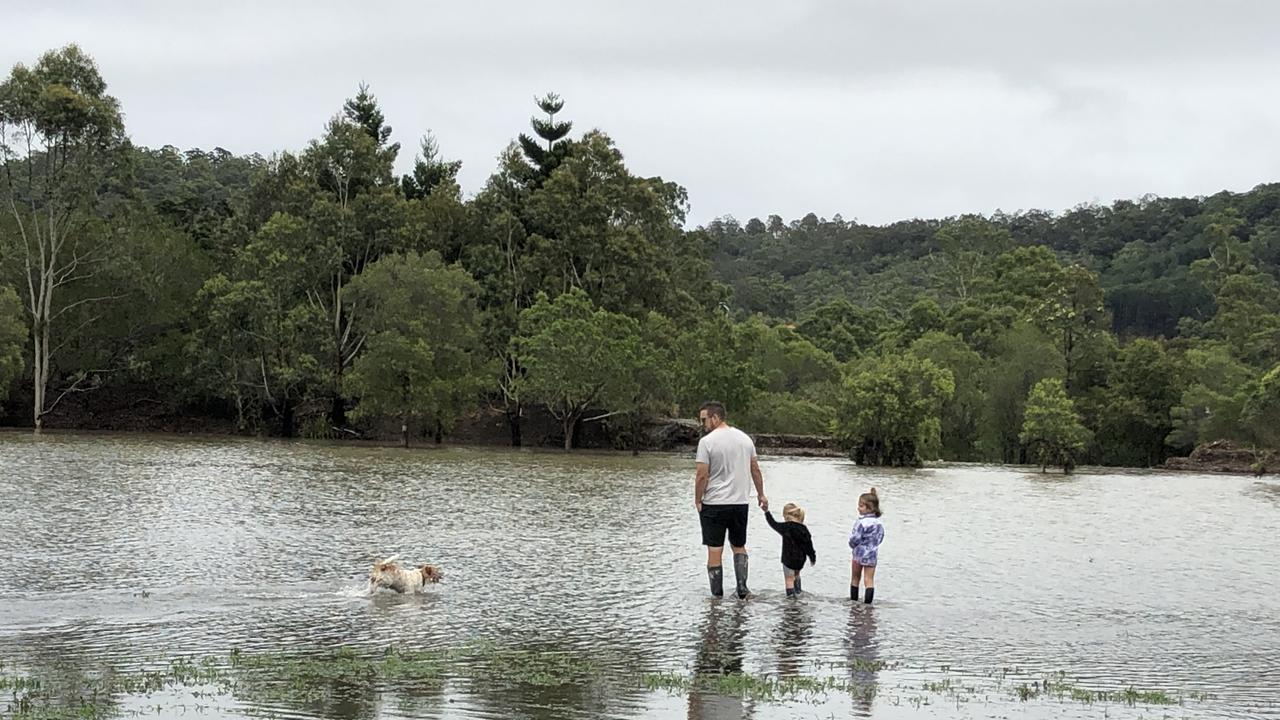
(879, 110)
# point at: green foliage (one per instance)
(423, 360)
(1262, 410)
(1023, 356)
(890, 409)
(13, 338)
(962, 413)
(577, 357)
(1136, 413)
(1215, 387)
(788, 414)
(1052, 429)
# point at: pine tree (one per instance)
(549, 130)
(429, 170)
(363, 110)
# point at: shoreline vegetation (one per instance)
(318, 293)
(317, 679)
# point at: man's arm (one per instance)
(700, 484)
(758, 478)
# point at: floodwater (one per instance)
(118, 550)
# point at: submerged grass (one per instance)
(312, 680)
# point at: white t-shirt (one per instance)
(727, 451)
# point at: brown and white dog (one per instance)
(387, 574)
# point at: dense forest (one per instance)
(317, 293)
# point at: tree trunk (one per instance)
(338, 411)
(439, 432)
(635, 434)
(40, 377)
(568, 426)
(404, 431)
(513, 424)
(288, 426)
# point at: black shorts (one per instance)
(716, 519)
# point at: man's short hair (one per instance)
(714, 408)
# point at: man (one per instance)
(726, 466)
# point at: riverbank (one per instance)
(135, 411)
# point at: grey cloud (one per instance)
(874, 109)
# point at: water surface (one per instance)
(119, 550)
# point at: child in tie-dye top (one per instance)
(868, 533)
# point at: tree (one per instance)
(614, 235)
(968, 247)
(543, 160)
(1214, 389)
(715, 363)
(264, 336)
(1262, 410)
(13, 338)
(430, 170)
(1139, 395)
(498, 257)
(1022, 357)
(1052, 429)
(843, 329)
(424, 360)
(650, 389)
(1072, 312)
(59, 133)
(961, 413)
(576, 357)
(358, 212)
(889, 409)
(363, 110)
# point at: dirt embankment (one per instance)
(1225, 456)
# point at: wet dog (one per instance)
(387, 574)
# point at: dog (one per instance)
(387, 574)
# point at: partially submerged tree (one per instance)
(577, 357)
(1052, 429)
(424, 361)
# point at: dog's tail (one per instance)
(391, 559)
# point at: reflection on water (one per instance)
(115, 551)
(863, 656)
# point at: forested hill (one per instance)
(316, 292)
(1143, 253)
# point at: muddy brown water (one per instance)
(116, 550)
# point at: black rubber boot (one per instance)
(797, 585)
(871, 592)
(853, 592)
(791, 592)
(740, 573)
(716, 575)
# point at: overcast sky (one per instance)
(877, 110)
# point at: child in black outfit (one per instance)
(796, 544)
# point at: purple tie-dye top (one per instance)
(865, 539)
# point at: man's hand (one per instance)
(764, 503)
(698, 505)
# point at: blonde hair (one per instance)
(793, 513)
